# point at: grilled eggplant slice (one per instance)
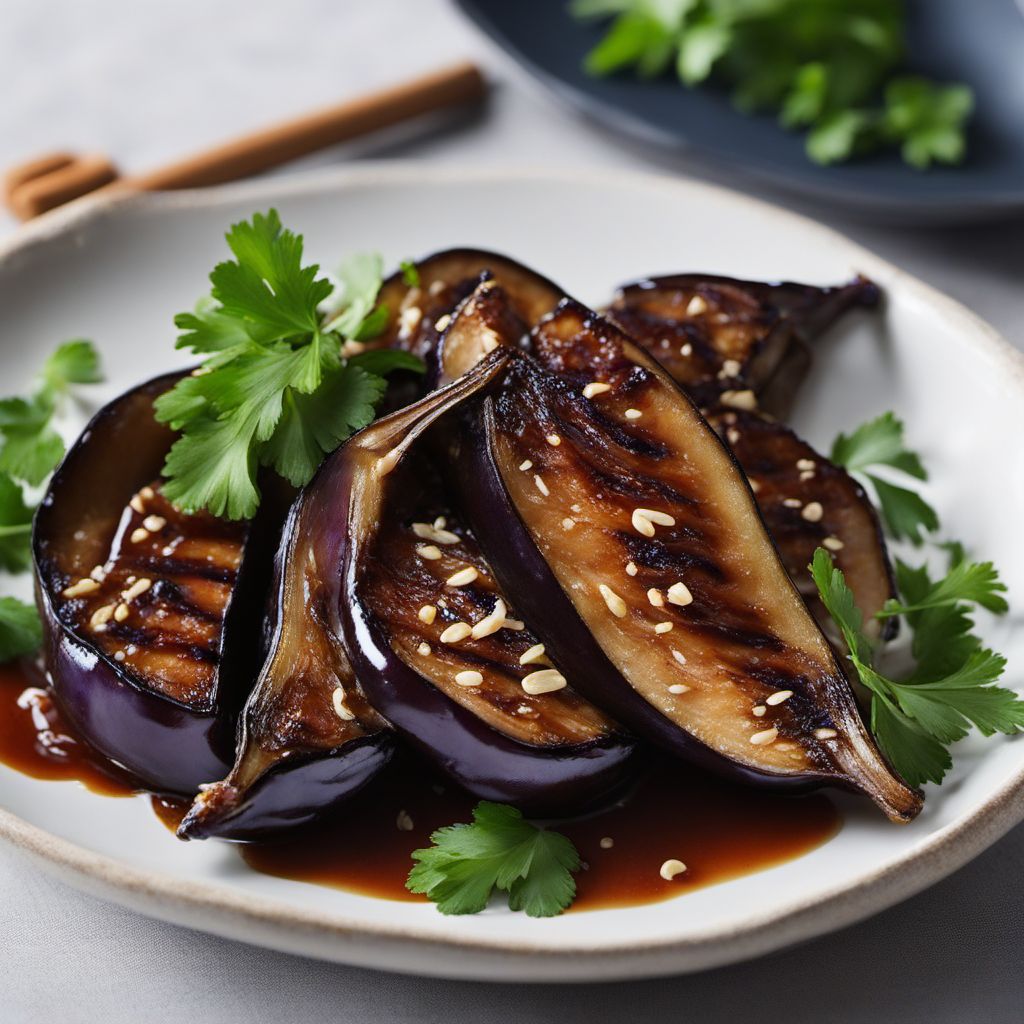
(308, 737)
(436, 645)
(724, 340)
(149, 615)
(807, 502)
(622, 528)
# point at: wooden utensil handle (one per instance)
(289, 140)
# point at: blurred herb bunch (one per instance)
(825, 65)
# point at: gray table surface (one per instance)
(148, 82)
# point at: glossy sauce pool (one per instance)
(718, 830)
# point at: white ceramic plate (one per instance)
(118, 271)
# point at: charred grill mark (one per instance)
(155, 565)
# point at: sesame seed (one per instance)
(493, 622)
(427, 614)
(436, 287)
(147, 493)
(541, 486)
(167, 551)
(102, 616)
(338, 700)
(468, 678)
(427, 531)
(440, 523)
(525, 709)
(654, 596)
(121, 612)
(568, 523)
(525, 465)
(137, 588)
(686, 351)
(136, 504)
(84, 586)
(833, 544)
(631, 569)
(645, 518)
(825, 734)
(118, 655)
(766, 736)
(805, 464)
(455, 632)
(807, 474)
(792, 502)
(678, 688)
(633, 414)
(410, 319)
(696, 306)
(595, 388)
(463, 577)
(730, 368)
(154, 523)
(663, 627)
(423, 650)
(679, 656)
(98, 573)
(732, 435)
(139, 535)
(739, 399)
(554, 440)
(679, 593)
(759, 711)
(353, 348)
(615, 603)
(442, 322)
(404, 822)
(778, 697)
(606, 842)
(812, 511)
(545, 680)
(575, 508)
(516, 624)
(532, 654)
(672, 867)
(431, 552)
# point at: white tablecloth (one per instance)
(147, 82)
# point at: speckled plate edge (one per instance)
(279, 925)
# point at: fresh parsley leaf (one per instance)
(825, 66)
(21, 632)
(880, 442)
(15, 526)
(410, 273)
(953, 685)
(74, 362)
(275, 389)
(499, 850)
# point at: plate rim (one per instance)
(278, 924)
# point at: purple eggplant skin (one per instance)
(486, 762)
(169, 745)
(522, 570)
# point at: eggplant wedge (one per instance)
(435, 644)
(149, 615)
(726, 340)
(622, 528)
(308, 739)
(808, 502)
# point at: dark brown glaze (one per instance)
(151, 670)
(421, 544)
(162, 596)
(482, 729)
(719, 831)
(807, 502)
(723, 337)
(596, 584)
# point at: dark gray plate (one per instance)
(977, 41)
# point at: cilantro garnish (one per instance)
(951, 687)
(498, 850)
(876, 443)
(823, 67)
(30, 449)
(276, 388)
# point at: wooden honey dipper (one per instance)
(38, 185)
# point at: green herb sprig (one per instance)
(279, 385)
(824, 66)
(30, 449)
(499, 850)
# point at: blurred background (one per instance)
(147, 83)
